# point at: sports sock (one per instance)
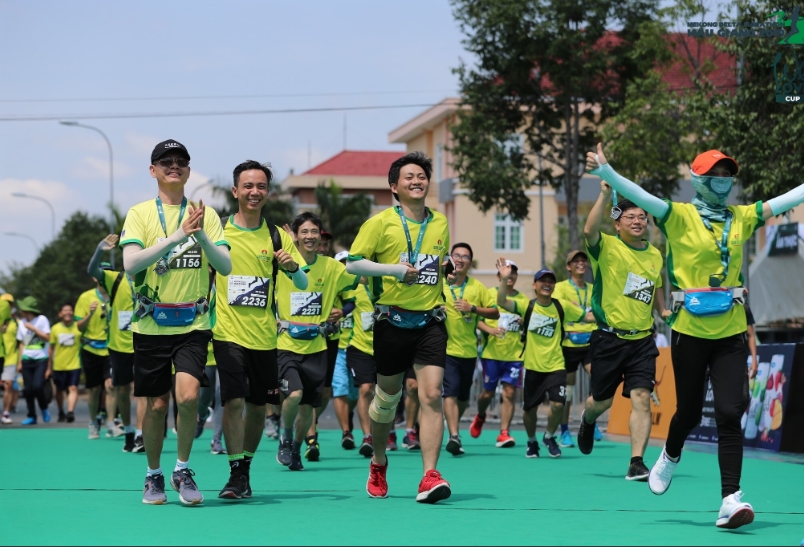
(482, 415)
(548, 435)
(310, 439)
(247, 457)
(532, 439)
(296, 447)
(181, 465)
(288, 434)
(235, 462)
(154, 472)
(129, 429)
(139, 433)
(636, 459)
(564, 428)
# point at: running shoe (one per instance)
(271, 427)
(46, 416)
(154, 491)
(348, 441)
(175, 432)
(565, 440)
(637, 471)
(182, 482)
(392, 441)
(70, 417)
(734, 512)
(139, 444)
(29, 421)
(533, 449)
(367, 448)
(236, 488)
(586, 436)
(217, 447)
(411, 440)
(283, 455)
(94, 431)
(313, 452)
(377, 486)
(661, 474)
(129, 445)
(247, 492)
(6, 419)
(504, 440)
(454, 446)
(433, 488)
(552, 446)
(295, 462)
(114, 431)
(62, 417)
(199, 426)
(598, 434)
(477, 426)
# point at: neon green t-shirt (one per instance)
(5, 315)
(626, 279)
(243, 310)
(693, 254)
(382, 239)
(9, 340)
(122, 310)
(509, 347)
(326, 279)
(347, 322)
(543, 350)
(66, 343)
(363, 332)
(210, 356)
(581, 297)
(462, 341)
(188, 277)
(97, 331)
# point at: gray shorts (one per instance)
(9, 373)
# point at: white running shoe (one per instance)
(661, 475)
(734, 512)
(6, 419)
(94, 431)
(114, 431)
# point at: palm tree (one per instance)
(342, 215)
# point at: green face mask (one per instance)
(713, 190)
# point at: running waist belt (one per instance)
(302, 331)
(621, 332)
(579, 338)
(708, 301)
(407, 319)
(95, 344)
(172, 315)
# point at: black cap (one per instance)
(165, 147)
(542, 273)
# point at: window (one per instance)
(507, 233)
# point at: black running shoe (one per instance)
(313, 452)
(454, 445)
(236, 488)
(70, 417)
(638, 471)
(533, 449)
(348, 441)
(283, 456)
(199, 426)
(586, 436)
(139, 444)
(552, 446)
(295, 462)
(247, 493)
(130, 445)
(62, 417)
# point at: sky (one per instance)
(66, 60)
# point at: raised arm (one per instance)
(107, 244)
(592, 229)
(505, 273)
(597, 164)
(782, 204)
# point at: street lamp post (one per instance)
(46, 202)
(29, 238)
(72, 123)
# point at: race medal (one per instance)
(161, 267)
(467, 318)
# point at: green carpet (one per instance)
(58, 488)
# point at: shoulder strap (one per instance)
(115, 286)
(276, 241)
(560, 310)
(224, 220)
(523, 335)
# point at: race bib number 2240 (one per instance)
(427, 265)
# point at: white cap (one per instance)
(511, 263)
(343, 255)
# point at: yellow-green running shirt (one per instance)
(543, 350)
(121, 338)
(509, 347)
(582, 297)
(462, 341)
(66, 344)
(98, 327)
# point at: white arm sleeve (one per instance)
(299, 279)
(217, 255)
(785, 202)
(372, 269)
(136, 259)
(652, 205)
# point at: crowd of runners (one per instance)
(256, 328)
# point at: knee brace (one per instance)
(383, 407)
(569, 391)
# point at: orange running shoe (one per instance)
(433, 488)
(504, 440)
(477, 426)
(377, 487)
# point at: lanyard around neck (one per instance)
(463, 288)
(723, 244)
(413, 253)
(578, 292)
(161, 211)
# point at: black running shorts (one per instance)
(248, 374)
(305, 373)
(122, 365)
(156, 354)
(576, 357)
(332, 358)
(362, 366)
(539, 385)
(396, 349)
(96, 368)
(616, 361)
(458, 374)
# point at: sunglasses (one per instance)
(168, 162)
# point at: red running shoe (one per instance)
(392, 442)
(477, 426)
(505, 440)
(433, 488)
(377, 487)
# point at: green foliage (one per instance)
(278, 209)
(342, 215)
(540, 67)
(59, 274)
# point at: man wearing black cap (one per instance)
(167, 248)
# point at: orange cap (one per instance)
(704, 162)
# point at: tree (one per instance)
(59, 274)
(342, 215)
(551, 71)
(278, 209)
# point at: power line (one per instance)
(206, 97)
(204, 114)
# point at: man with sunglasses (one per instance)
(167, 248)
(467, 301)
(627, 287)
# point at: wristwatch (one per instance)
(474, 309)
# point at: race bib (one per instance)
(249, 291)
(639, 288)
(510, 322)
(428, 266)
(367, 320)
(307, 304)
(66, 339)
(185, 256)
(543, 325)
(348, 322)
(124, 320)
